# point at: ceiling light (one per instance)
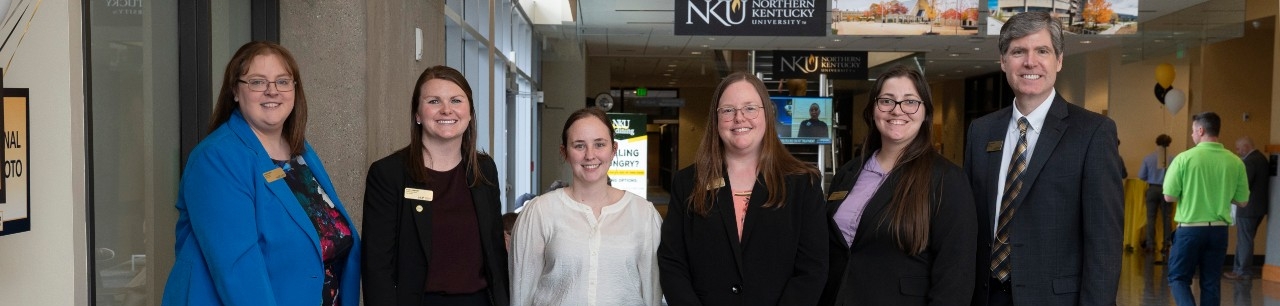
(671, 70)
(668, 74)
(1086, 41)
(931, 61)
(822, 47)
(977, 49)
(696, 52)
(672, 65)
(959, 71)
(942, 75)
(711, 38)
(704, 46)
(977, 67)
(955, 54)
(837, 39)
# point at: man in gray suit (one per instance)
(1248, 217)
(1046, 180)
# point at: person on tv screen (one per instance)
(813, 127)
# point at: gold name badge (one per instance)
(838, 195)
(273, 175)
(716, 184)
(995, 146)
(418, 194)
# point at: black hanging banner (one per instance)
(751, 17)
(836, 64)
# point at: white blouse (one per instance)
(561, 254)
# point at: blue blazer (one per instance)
(242, 240)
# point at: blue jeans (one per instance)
(1202, 247)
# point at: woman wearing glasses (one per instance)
(901, 216)
(746, 223)
(432, 213)
(259, 222)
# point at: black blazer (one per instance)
(1258, 170)
(1067, 233)
(874, 271)
(780, 261)
(398, 238)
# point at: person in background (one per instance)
(746, 223)
(1046, 179)
(1205, 180)
(1249, 217)
(588, 243)
(432, 209)
(508, 222)
(1152, 172)
(901, 215)
(813, 127)
(258, 218)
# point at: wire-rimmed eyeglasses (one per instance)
(282, 85)
(748, 111)
(908, 106)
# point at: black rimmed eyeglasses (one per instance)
(282, 85)
(908, 106)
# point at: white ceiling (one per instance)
(636, 38)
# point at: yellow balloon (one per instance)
(1165, 75)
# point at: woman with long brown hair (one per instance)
(745, 224)
(901, 215)
(433, 208)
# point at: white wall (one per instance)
(47, 266)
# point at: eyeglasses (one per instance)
(282, 85)
(750, 112)
(908, 106)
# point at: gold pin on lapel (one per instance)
(995, 146)
(273, 175)
(838, 196)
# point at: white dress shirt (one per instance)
(1036, 120)
(561, 254)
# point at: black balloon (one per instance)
(1160, 91)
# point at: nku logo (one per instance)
(723, 11)
(806, 64)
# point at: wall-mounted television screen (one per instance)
(803, 120)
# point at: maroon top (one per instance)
(455, 263)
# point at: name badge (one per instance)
(838, 196)
(273, 175)
(995, 146)
(418, 194)
(716, 184)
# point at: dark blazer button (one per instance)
(736, 289)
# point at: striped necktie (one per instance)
(1012, 187)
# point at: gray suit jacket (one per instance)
(1067, 233)
(1256, 167)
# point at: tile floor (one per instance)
(1143, 282)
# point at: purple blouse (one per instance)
(850, 211)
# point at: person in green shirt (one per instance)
(1203, 180)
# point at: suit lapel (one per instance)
(759, 195)
(284, 196)
(724, 203)
(995, 132)
(1054, 127)
(422, 219)
(870, 218)
(847, 176)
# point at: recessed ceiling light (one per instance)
(977, 49)
(837, 39)
(696, 52)
(822, 47)
(671, 70)
(672, 65)
(959, 71)
(977, 67)
(668, 74)
(942, 74)
(955, 54)
(704, 46)
(931, 61)
(711, 38)
(1086, 41)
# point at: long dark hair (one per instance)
(418, 168)
(908, 214)
(295, 126)
(775, 162)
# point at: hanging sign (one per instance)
(836, 64)
(630, 166)
(751, 17)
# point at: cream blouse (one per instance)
(561, 254)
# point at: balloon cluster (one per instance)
(1172, 98)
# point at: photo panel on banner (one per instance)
(803, 120)
(906, 17)
(1101, 17)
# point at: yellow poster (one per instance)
(15, 204)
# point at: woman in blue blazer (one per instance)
(259, 222)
